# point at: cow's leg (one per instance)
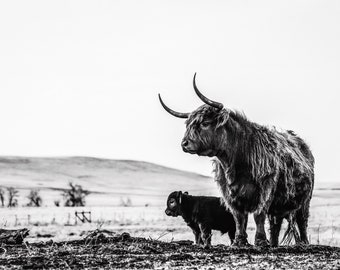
(302, 221)
(205, 234)
(241, 220)
(275, 227)
(302, 214)
(260, 236)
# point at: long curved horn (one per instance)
(205, 99)
(174, 113)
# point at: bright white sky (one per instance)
(82, 77)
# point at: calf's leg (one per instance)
(231, 234)
(198, 238)
(206, 235)
(197, 233)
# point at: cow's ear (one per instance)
(186, 193)
(222, 118)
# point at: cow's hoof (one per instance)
(207, 246)
(240, 242)
(301, 243)
(272, 244)
(261, 242)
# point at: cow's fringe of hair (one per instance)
(221, 179)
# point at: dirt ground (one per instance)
(102, 250)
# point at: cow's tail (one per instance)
(291, 232)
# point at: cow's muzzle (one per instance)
(187, 147)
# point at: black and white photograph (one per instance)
(164, 134)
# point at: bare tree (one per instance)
(2, 197)
(12, 197)
(34, 198)
(75, 196)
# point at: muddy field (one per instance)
(121, 251)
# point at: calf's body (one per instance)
(202, 214)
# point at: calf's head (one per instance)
(204, 126)
(174, 203)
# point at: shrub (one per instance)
(34, 198)
(75, 196)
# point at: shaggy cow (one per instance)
(202, 214)
(258, 169)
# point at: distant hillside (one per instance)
(110, 181)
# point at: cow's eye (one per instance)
(172, 203)
(205, 124)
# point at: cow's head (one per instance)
(174, 203)
(204, 133)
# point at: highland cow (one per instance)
(202, 214)
(258, 169)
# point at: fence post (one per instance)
(69, 219)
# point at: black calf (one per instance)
(202, 214)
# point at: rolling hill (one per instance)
(109, 181)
